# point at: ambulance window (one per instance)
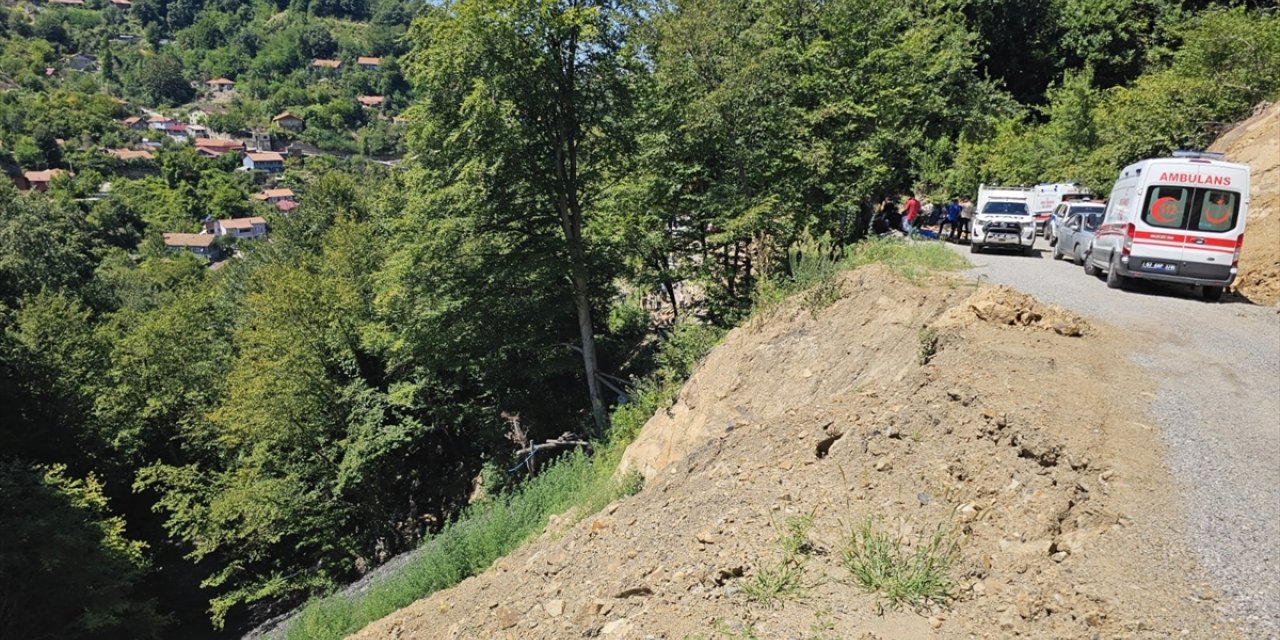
(1167, 206)
(1216, 210)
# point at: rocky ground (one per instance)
(932, 406)
(1256, 142)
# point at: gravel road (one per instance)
(1218, 406)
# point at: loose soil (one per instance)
(922, 405)
(1256, 142)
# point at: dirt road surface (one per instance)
(1217, 401)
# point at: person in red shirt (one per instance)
(912, 219)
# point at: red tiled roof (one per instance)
(131, 154)
(286, 205)
(242, 223)
(188, 239)
(221, 81)
(286, 116)
(219, 143)
(159, 118)
(327, 64)
(370, 101)
(131, 120)
(368, 60)
(78, 3)
(42, 176)
(273, 193)
(265, 156)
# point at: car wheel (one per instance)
(1057, 251)
(974, 247)
(1090, 269)
(1211, 294)
(1050, 237)
(1075, 255)
(1114, 279)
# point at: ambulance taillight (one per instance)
(1129, 231)
(1235, 257)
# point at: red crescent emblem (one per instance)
(1226, 213)
(1163, 209)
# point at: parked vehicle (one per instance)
(1065, 209)
(1002, 219)
(1046, 197)
(1076, 234)
(1178, 219)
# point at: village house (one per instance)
(269, 161)
(216, 147)
(67, 3)
(221, 85)
(273, 196)
(370, 102)
(368, 63)
(122, 4)
(39, 180)
(134, 123)
(158, 122)
(177, 131)
(244, 228)
(200, 244)
(322, 65)
(128, 155)
(196, 131)
(288, 121)
(81, 62)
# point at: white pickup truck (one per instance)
(1002, 219)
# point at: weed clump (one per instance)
(881, 563)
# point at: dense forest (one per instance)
(191, 443)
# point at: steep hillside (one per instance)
(1256, 142)
(919, 408)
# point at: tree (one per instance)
(317, 42)
(158, 79)
(526, 99)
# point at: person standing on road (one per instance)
(951, 218)
(966, 216)
(912, 219)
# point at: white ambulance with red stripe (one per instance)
(1178, 219)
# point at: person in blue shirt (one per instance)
(950, 217)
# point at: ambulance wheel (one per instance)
(1114, 279)
(1211, 294)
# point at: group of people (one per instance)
(914, 216)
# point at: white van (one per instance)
(1046, 197)
(1002, 218)
(1178, 219)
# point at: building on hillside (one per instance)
(122, 4)
(221, 85)
(200, 244)
(285, 206)
(196, 131)
(81, 62)
(273, 196)
(134, 123)
(67, 3)
(130, 155)
(177, 131)
(269, 161)
(322, 65)
(288, 121)
(244, 228)
(368, 63)
(158, 122)
(216, 147)
(39, 180)
(370, 102)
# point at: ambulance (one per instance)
(1047, 196)
(1178, 219)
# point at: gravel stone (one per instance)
(1217, 405)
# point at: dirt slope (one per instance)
(1256, 142)
(1007, 436)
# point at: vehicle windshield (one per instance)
(1091, 220)
(1006, 208)
(1085, 211)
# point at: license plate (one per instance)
(1003, 237)
(1162, 267)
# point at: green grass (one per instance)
(493, 529)
(783, 579)
(881, 563)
